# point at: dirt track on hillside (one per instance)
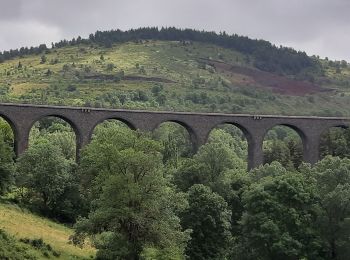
(103, 77)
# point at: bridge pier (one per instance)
(199, 136)
(83, 135)
(21, 144)
(81, 141)
(255, 151)
(21, 135)
(311, 149)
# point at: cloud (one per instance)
(10, 10)
(30, 33)
(316, 26)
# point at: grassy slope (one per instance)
(22, 224)
(222, 92)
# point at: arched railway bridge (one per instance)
(22, 117)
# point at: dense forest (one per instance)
(137, 195)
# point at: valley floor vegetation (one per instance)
(134, 195)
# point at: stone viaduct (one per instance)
(21, 117)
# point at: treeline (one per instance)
(7, 55)
(266, 56)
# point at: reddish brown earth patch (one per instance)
(279, 84)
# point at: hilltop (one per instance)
(181, 70)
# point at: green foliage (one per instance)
(335, 142)
(209, 219)
(209, 165)
(25, 248)
(6, 157)
(278, 151)
(232, 136)
(279, 218)
(151, 253)
(49, 180)
(110, 66)
(332, 176)
(12, 249)
(43, 59)
(284, 145)
(39, 244)
(176, 142)
(133, 206)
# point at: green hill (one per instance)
(212, 73)
(27, 236)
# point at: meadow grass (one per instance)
(23, 224)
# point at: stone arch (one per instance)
(192, 133)
(254, 146)
(13, 128)
(63, 117)
(117, 118)
(245, 135)
(298, 131)
(77, 132)
(9, 121)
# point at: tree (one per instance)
(176, 142)
(335, 142)
(278, 151)
(133, 206)
(210, 165)
(279, 218)
(6, 166)
(43, 59)
(110, 66)
(50, 181)
(332, 175)
(232, 192)
(209, 218)
(65, 67)
(296, 152)
(58, 133)
(6, 157)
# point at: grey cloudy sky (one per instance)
(320, 27)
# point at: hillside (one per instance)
(22, 228)
(176, 75)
